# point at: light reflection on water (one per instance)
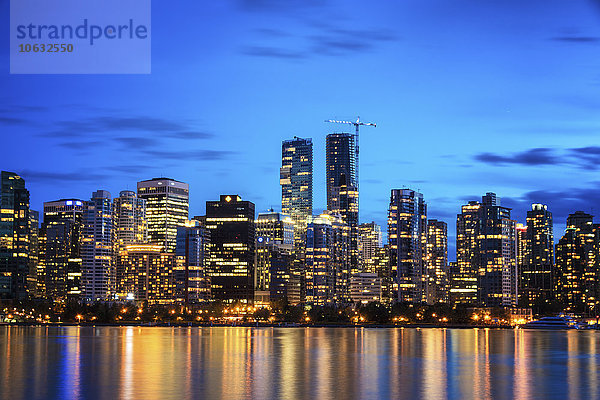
(293, 363)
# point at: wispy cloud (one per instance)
(580, 157)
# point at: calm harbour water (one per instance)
(295, 363)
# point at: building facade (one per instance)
(14, 237)
(437, 262)
(98, 269)
(167, 207)
(230, 221)
(192, 284)
(407, 237)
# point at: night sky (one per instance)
(469, 96)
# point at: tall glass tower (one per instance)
(296, 181)
(342, 186)
(167, 204)
(14, 236)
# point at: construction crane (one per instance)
(356, 124)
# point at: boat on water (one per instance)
(560, 322)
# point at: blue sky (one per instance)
(469, 96)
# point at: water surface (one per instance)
(296, 363)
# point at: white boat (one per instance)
(553, 323)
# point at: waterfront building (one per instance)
(407, 237)
(486, 254)
(60, 249)
(537, 261)
(327, 272)
(14, 236)
(192, 254)
(369, 242)
(437, 262)
(148, 274)
(230, 221)
(341, 160)
(365, 287)
(167, 205)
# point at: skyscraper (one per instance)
(576, 274)
(231, 265)
(98, 270)
(407, 236)
(14, 236)
(327, 274)
(60, 255)
(192, 284)
(167, 204)
(296, 181)
(536, 280)
(34, 252)
(486, 253)
(437, 262)
(342, 186)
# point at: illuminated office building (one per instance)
(437, 262)
(576, 280)
(296, 181)
(369, 242)
(231, 264)
(98, 269)
(486, 255)
(407, 237)
(167, 203)
(341, 161)
(274, 274)
(191, 280)
(14, 236)
(148, 273)
(327, 274)
(60, 255)
(365, 287)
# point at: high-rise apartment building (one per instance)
(231, 265)
(327, 274)
(369, 242)
(34, 252)
(14, 236)
(60, 249)
(486, 254)
(437, 262)
(407, 237)
(131, 226)
(167, 205)
(577, 283)
(537, 265)
(98, 270)
(342, 186)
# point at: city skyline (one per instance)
(515, 121)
